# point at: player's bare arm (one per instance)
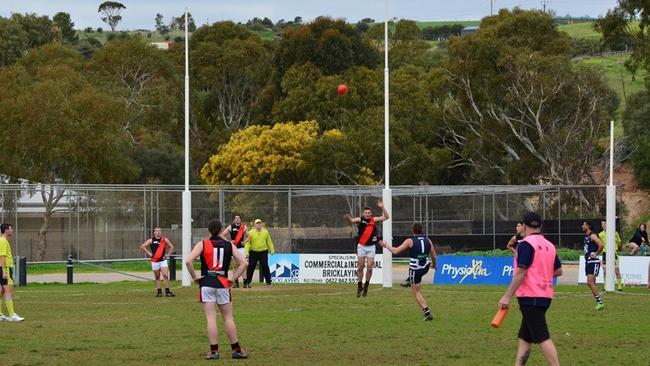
(189, 262)
(145, 247)
(433, 255)
(351, 220)
(169, 247)
(385, 216)
(241, 259)
(514, 285)
(511, 244)
(225, 232)
(405, 245)
(598, 242)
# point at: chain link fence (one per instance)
(99, 222)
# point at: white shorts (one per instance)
(366, 250)
(221, 296)
(155, 266)
(242, 250)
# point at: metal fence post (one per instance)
(290, 225)
(222, 209)
(69, 270)
(494, 222)
(559, 217)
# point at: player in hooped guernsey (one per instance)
(158, 248)
(214, 285)
(422, 255)
(238, 233)
(366, 244)
(593, 246)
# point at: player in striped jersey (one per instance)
(422, 255)
(592, 249)
(214, 286)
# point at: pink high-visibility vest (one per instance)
(538, 281)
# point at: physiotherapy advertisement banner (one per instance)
(453, 270)
(319, 268)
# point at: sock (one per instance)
(1, 302)
(167, 289)
(359, 285)
(9, 303)
(235, 347)
(619, 283)
(365, 286)
(214, 348)
(426, 311)
(159, 290)
(598, 299)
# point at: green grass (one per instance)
(466, 23)
(580, 30)
(123, 324)
(155, 36)
(612, 67)
(130, 266)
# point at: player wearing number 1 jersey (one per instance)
(420, 250)
(214, 286)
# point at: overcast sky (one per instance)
(141, 13)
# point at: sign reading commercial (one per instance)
(335, 268)
(319, 268)
(452, 270)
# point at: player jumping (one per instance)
(366, 244)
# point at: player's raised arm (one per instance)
(145, 247)
(348, 217)
(385, 216)
(405, 245)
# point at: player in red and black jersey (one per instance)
(367, 242)
(214, 285)
(238, 234)
(158, 249)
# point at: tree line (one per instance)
(503, 106)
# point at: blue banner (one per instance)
(452, 270)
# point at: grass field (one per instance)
(580, 30)
(466, 23)
(123, 324)
(618, 77)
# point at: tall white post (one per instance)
(611, 217)
(187, 195)
(387, 195)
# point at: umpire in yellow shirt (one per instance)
(258, 246)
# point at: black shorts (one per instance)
(6, 282)
(533, 324)
(415, 275)
(592, 268)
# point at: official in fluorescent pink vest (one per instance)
(537, 265)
